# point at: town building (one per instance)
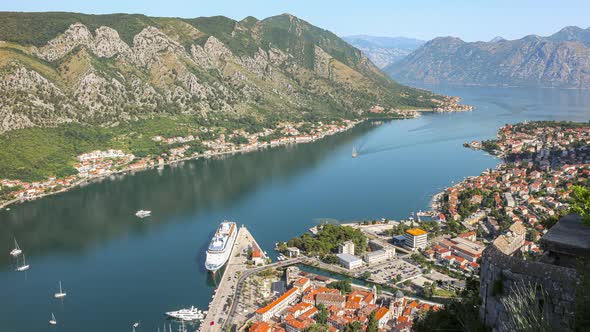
(293, 252)
(416, 238)
(330, 299)
(377, 256)
(346, 248)
(350, 262)
(266, 313)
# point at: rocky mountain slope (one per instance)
(560, 60)
(384, 51)
(106, 69)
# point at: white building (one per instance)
(346, 248)
(416, 238)
(350, 261)
(377, 256)
(266, 313)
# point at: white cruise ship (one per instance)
(221, 245)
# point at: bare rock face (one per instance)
(28, 99)
(107, 43)
(150, 42)
(322, 63)
(77, 34)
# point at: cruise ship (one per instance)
(221, 245)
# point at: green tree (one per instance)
(372, 325)
(317, 328)
(353, 327)
(344, 286)
(322, 317)
(580, 203)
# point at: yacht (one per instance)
(24, 265)
(190, 314)
(53, 321)
(143, 213)
(221, 245)
(354, 152)
(61, 293)
(16, 251)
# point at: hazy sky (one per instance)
(425, 19)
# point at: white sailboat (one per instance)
(354, 152)
(16, 251)
(24, 266)
(53, 321)
(61, 293)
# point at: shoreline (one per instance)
(90, 179)
(453, 108)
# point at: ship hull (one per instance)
(216, 259)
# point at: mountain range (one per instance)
(559, 60)
(384, 51)
(60, 67)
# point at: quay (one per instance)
(223, 306)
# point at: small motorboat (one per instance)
(143, 213)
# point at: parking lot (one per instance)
(387, 271)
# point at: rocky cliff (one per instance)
(560, 60)
(65, 67)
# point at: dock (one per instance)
(222, 308)
(222, 300)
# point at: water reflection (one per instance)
(86, 216)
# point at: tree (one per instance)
(366, 275)
(317, 328)
(344, 286)
(353, 327)
(372, 325)
(581, 203)
(322, 317)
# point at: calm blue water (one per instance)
(118, 270)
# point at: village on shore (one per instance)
(102, 163)
(97, 164)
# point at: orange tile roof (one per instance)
(277, 301)
(300, 282)
(381, 312)
(259, 327)
(416, 231)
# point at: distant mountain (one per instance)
(384, 51)
(107, 69)
(560, 60)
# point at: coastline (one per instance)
(452, 107)
(126, 170)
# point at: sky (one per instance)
(470, 20)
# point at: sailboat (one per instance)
(53, 321)
(16, 251)
(61, 293)
(354, 152)
(24, 266)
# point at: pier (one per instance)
(223, 306)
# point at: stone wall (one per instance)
(500, 273)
